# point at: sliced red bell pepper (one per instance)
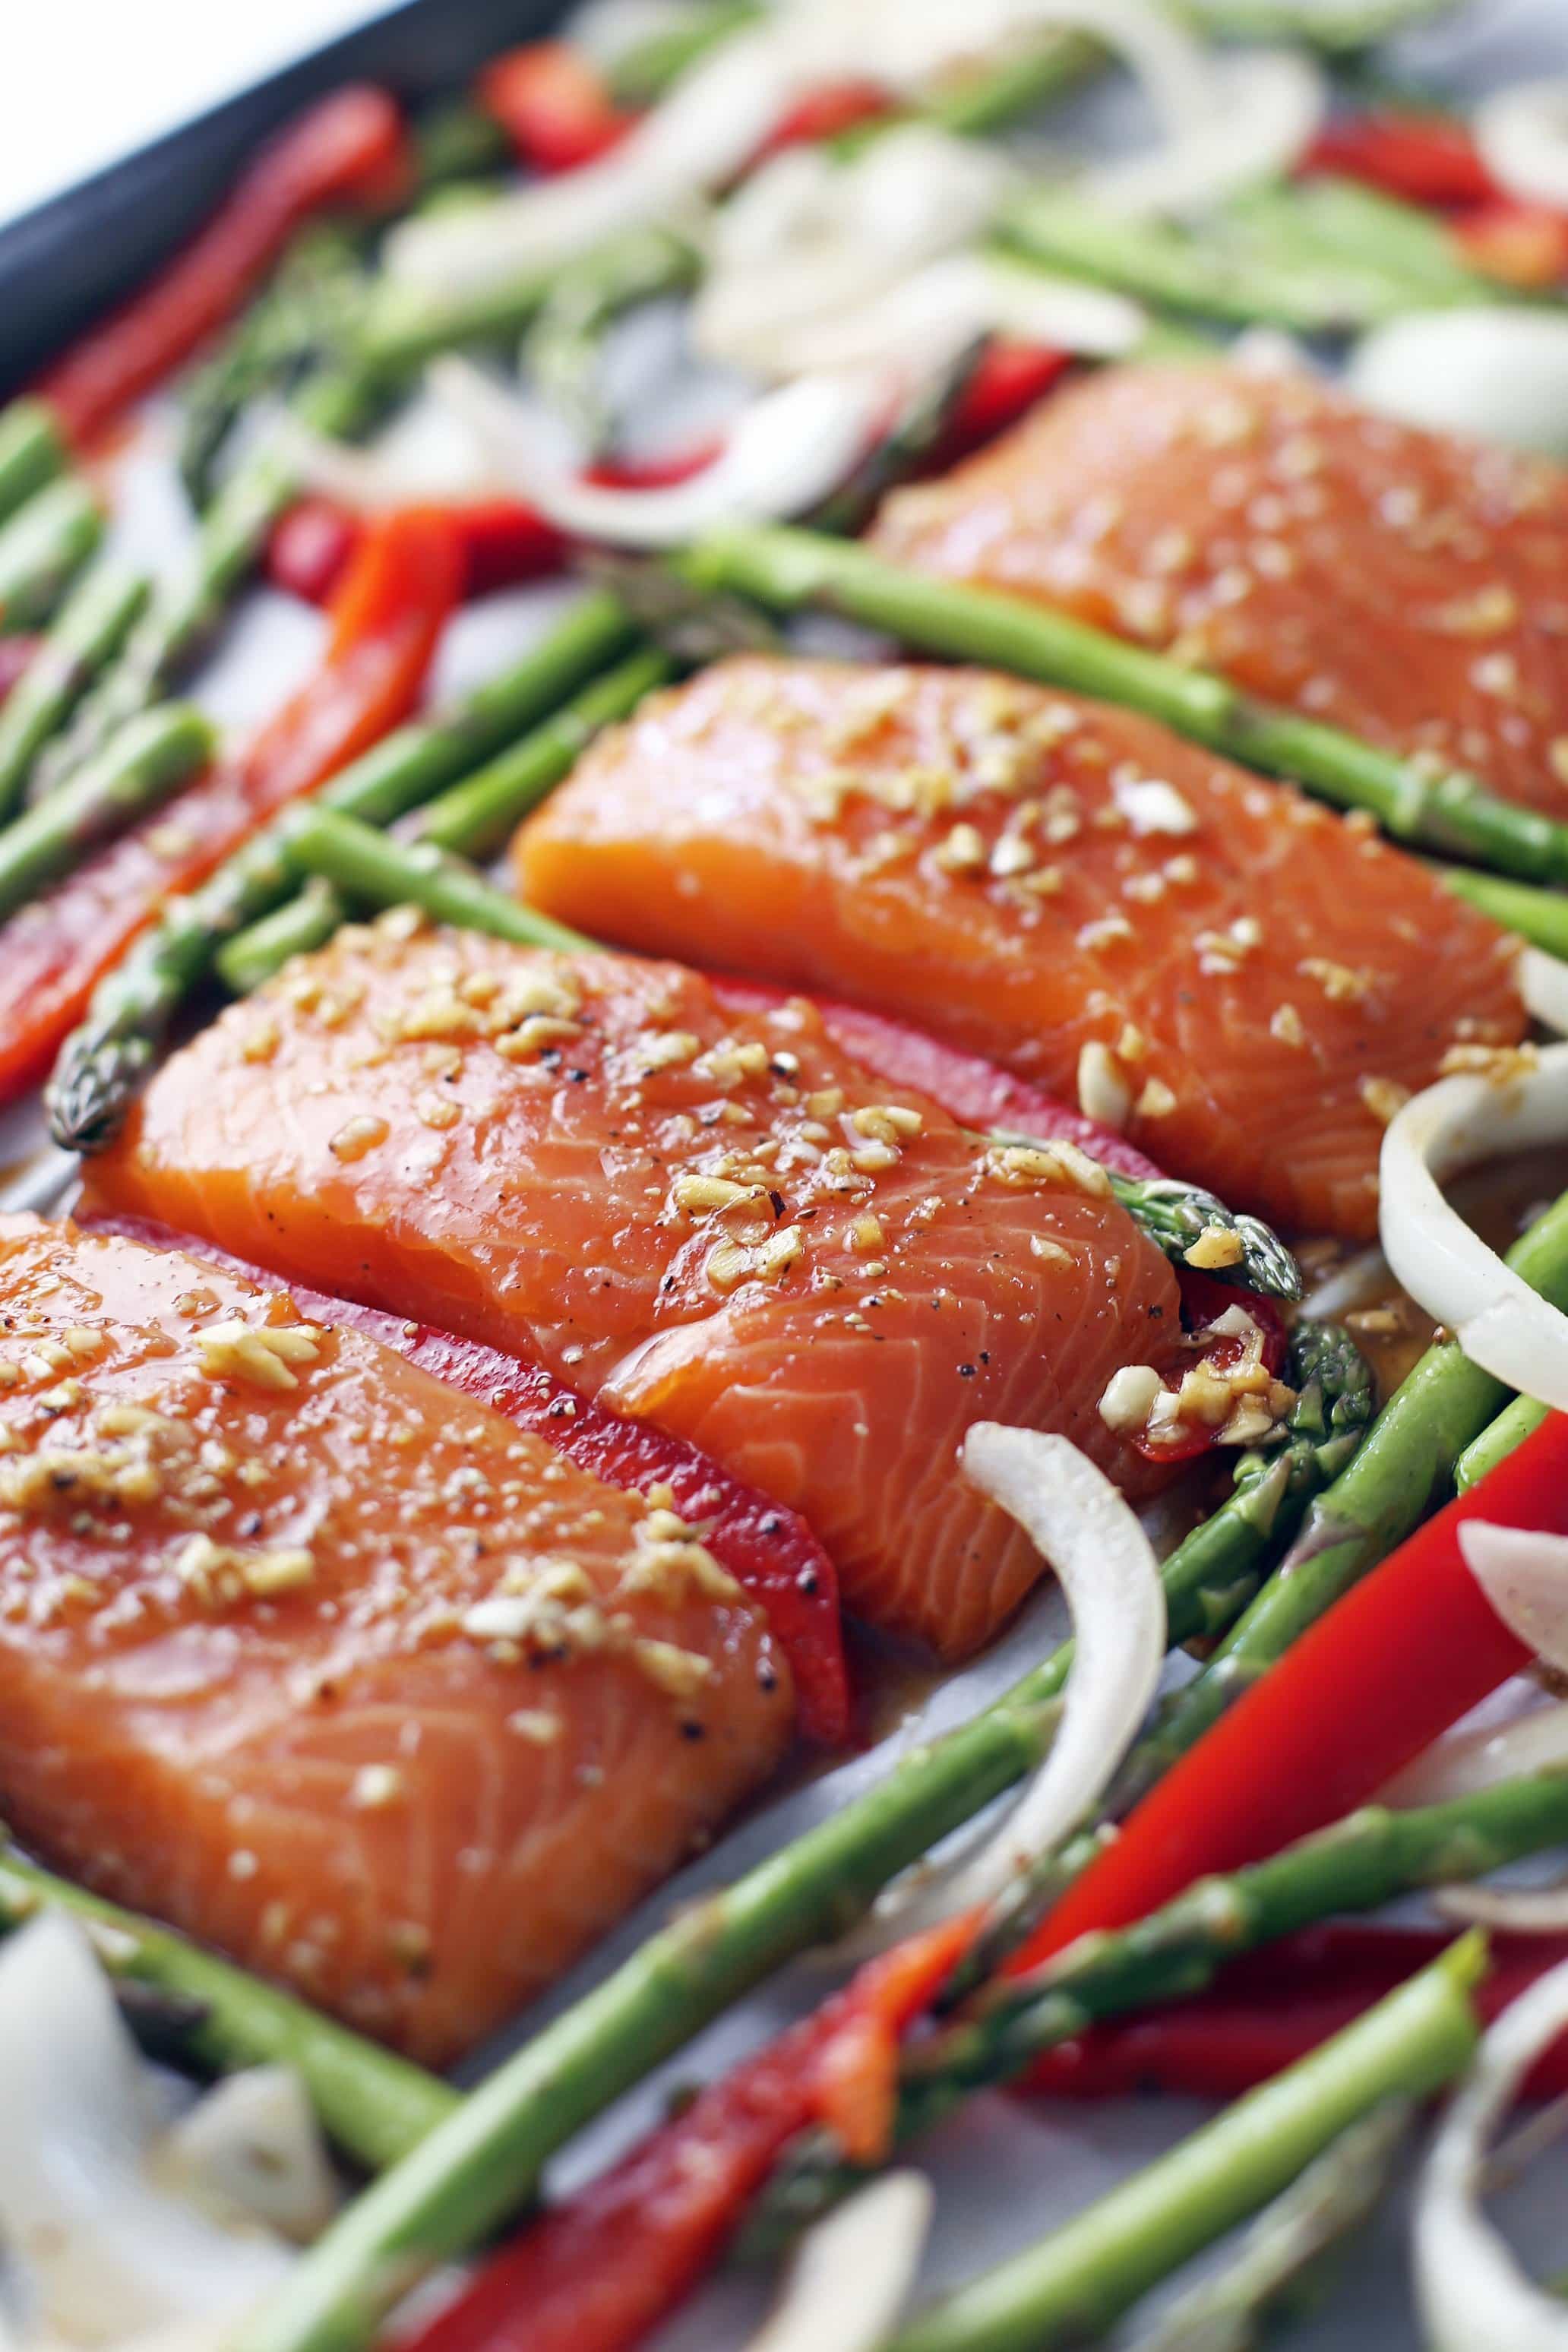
(386, 623)
(553, 105)
(769, 1550)
(826, 112)
(601, 2270)
(1404, 1654)
(1430, 159)
(1226, 2042)
(349, 150)
(311, 546)
(1007, 381)
(1520, 245)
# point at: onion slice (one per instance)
(1492, 373)
(1523, 1571)
(1465, 1762)
(1265, 107)
(1471, 2289)
(1518, 1910)
(1106, 1566)
(1543, 983)
(1522, 135)
(850, 2276)
(788, 451)
(252, 2151)
(1502, 1325)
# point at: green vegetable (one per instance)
(31, 453)
(364, 864)
(87, 632)
(563, 347)
(136, 771)
(1516, 1422)
(43, 546)
(1539, 916)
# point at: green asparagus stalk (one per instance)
(1539, 916)
(643, 73)
(366, 865)
(1071, 2288)
(87, 632)
(1516, 1422)
(106, 1058)
(1339, 27)
(42, 547)
(1362, 1862)
(563, 347)
(1277, 2270)
(375, 2106)
(31, 453)
(786, 570)
(1051, 67)
(1334, 220)
(472, 819)
(488, 2160)
(1177, 1216)
(457, 142)
(136, 771)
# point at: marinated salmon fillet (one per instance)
(704, 1216)
(333, 1668)
(1408, 586)
(1244, 983)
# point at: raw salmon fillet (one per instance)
(706, 1217)
(330, 1666)
(1408, 586)
(1243, 982)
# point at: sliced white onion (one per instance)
(1471, 2289)
(1499, 1322)
(1360, 1279)
(1465, 1762)
(430, 456)
(101, 2252)
(1265, 107)
(788, 451)
(250, 2151)
(1523, 1572)
(1489, 372)
(1105, 1563)
(1516, 1910)
(1522, 134)
(1543, 982)
(851, 2274)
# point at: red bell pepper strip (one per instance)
(15, 653)
(1403, 1655)
(767, 1550)
(1224, 2041)
(386, 622)
(1007, 381)
(1520, 245)
(349, 150)
(311, 546)
(553, 106)
(826, 112)
(601, 2270)
(1428, 159)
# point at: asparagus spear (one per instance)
(1516, 1422)
(375, 2106)
(1340, 219)
(784, 570)
(42, 547)
(562, 347)
(148, 760)
(1072, 2288)
(365, 865)
(642, 74)
(106, 1060)
(1539, 916)
(472, 818)
(31, 453)
(88, 631)
(1362, 1862)
(1177, 1216)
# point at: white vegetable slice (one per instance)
(851, 2274)
(1265, 107)
(1543, 987)
(787, 452)
(1523, 133)
(1519, 1910)
(1465, 1761)
(1494, 374)
(252, 2151)
(100, 2253)
(1471, 2289)
(1524, 1574)
(1105, 1563)
(1499, 1322)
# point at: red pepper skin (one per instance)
(1428, 159)
(1520, 245)
(1008, 380)
(311, 546)
(386, 623)
(1224, 2042)
(552, 106)
(769, 1550)
(826, 112)
(1403, 1655)
(599, 2271)
(15, 653)
(350, 149)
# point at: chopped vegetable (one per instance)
(1431, 159)
(553, 106)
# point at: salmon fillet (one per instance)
(1408, 586)
(1243, 981)
(706, 1217)
(241, 1683)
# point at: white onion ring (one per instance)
(788, 451)
(1544, 989)
(1522, 135)
(850, 2276)
(1523, 1572)
(1488, 371)
(1263, 113)
(1502, 1325)
(1516, 1910)
(1465, 1762)
(1107, 1568)
(1469, 2288)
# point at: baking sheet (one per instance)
(1005, 2171)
